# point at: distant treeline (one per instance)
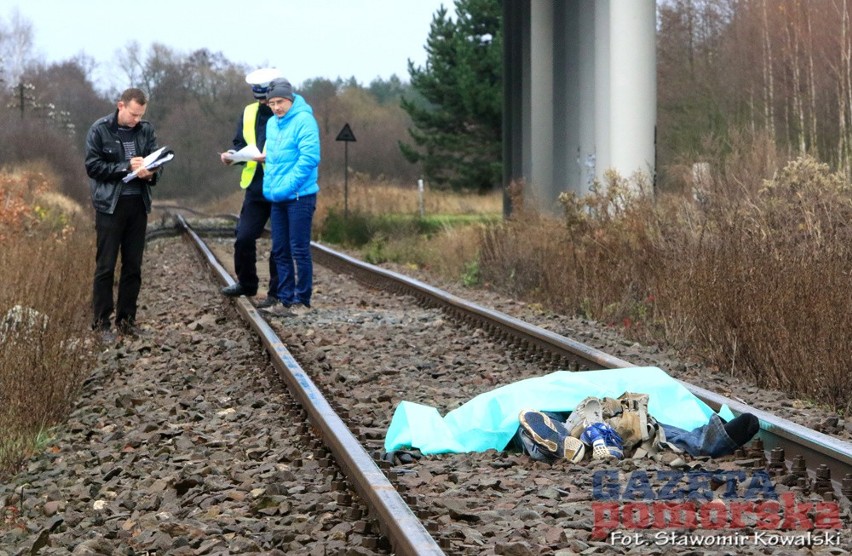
(195, 103)
(779, 70)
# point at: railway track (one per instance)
(781, 443)
(398, 522)
(819, 450)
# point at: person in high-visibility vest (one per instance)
(256, 209)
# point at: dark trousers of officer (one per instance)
(123, 232)
(253, 217)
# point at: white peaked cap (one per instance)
(262, 76)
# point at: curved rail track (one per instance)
(786, 443)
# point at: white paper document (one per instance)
(246, 154)
(153, 160)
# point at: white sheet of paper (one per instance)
(247, 153)
(150, 162)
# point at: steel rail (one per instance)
(817, 448)
(496, 322)
(406, 533)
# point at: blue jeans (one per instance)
(707, 440)
(291, 243)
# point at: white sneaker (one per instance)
(588, 411)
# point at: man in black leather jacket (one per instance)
(115, 147)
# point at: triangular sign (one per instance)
(345, 134)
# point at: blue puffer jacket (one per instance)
(292, 154)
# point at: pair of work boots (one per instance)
(545, 436)
(270, 305)
(124, 328)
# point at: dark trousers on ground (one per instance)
(254, 215)
(122, 232)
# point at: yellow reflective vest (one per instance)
(249, 119)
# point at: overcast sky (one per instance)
(305, 38)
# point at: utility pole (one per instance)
(21, 97)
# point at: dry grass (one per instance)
(752, 274)
(46, 251)
(369, 197)
(452, 252)
(378, 198)
(771, 275)
(385, 221)
(225, 205)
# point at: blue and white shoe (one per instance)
(605, 442)
(550, 436)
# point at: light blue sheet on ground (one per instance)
(489, 420)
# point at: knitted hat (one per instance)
(259, 80)
(280, 88)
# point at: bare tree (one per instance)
(841, 72)
(16, 46)
(812, 85)
(768, 82)
(793, 54)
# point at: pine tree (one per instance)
(457, 130)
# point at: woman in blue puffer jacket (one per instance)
(290, 183)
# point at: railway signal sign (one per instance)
(346, 136)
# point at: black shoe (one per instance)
(237, 290)
(265, 303)
(741, 429)
(128, 329)
(106, 336)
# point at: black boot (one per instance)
(237, 290)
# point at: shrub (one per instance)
(770, 281)
(46, 350)
(753, 277)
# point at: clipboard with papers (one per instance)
(152, 161)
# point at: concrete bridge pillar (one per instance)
(580, 93)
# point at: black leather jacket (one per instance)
(105, 163)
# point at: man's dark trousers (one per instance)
(253, 217)
(123, 232)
